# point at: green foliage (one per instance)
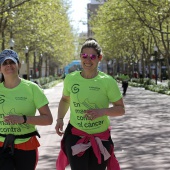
(136, 84)
(42, 80)
(41, 25)
(150, 85)
(51, 84)
(48, 82)
(131, 27)
(45, 80)
(145, 81)
(167, 92)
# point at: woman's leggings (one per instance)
(88, 161)
(21, 160)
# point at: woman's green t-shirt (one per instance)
(87, 94)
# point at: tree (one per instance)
(132, 27)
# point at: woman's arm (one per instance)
(117, 110)
(45, 117)
(62, 110)
(63, 107)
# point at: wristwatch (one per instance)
(25, 119)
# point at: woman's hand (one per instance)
(59, 127)
(118, 109)
(13, 119)
(94, 113)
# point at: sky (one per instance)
(78, 14)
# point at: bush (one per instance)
(149, 84)
(169, 84)
(167, 92)
(51, 84)
(44, 81)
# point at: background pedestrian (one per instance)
(125, 78)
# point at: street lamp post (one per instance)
(156, 58)
(40, 64)
(27, 61)
(11, 43)
(161, 60)
(35, 54)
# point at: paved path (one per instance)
(141, 137)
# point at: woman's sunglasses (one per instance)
(92, 56)
(8, 63)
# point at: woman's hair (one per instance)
(2, 78)
(92, 43)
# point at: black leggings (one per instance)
(21, 160)
(88, 160)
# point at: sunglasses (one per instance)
(92, 56)
(8, 63)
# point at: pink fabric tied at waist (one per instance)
(76, 149)
(95, 140)
(62, 160)
(91, 137)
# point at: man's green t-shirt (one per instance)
(125, 77)
(87, 94)
(21, 100)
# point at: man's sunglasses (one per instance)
(8, 63)
(92, 56)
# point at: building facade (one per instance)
(92, 8)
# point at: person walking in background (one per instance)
(135, 74)
(19, 100)
(87, 143)
(125, 78)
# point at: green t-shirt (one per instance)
(21, 100)
(125, 77)
(88, 94)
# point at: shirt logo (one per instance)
(20, 98)
(75, 88)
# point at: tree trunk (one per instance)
(3, 40)
(168, 66)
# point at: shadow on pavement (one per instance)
(142, 136)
